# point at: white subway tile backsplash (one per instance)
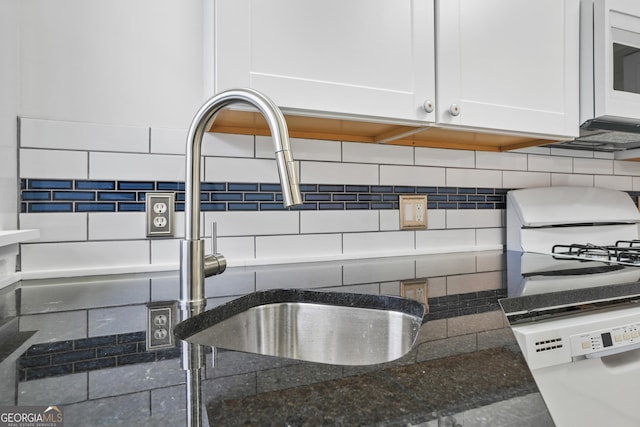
(53, 164)
(228, 145)
(379, 244)
(516, 179)
(166, 252)
(93, 257)
(501, 161)
(624, 183)
(559, 179)
(544, 151)
(168, 141)
(221, 169)
(298, 247)
(445, 240)
(377, 153)
(38, 133)
(566, 152)
(390, 220)
(626, 168)
(237, 250)
(315, 149)
(550, 164)
(412, 175)
(490, 237)
(445, 158)
(117, 225)
(235, 282)
(108, 321)
(338, 221)
(55, 226)
(473, 178)
(338, 173)
(474, 218)
(148, 167)
(253, 223)
(593, 166)
(490, 261)
(436, 219)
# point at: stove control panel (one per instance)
(606, 341)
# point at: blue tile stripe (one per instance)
(55, 195)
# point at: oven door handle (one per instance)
(612, 351)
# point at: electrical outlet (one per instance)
(413, 212)
(160, 322)
(416, 290)
(160, 208)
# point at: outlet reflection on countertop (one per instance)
(80, 343)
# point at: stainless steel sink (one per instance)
(323, 327)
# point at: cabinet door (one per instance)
(353, 58)
(509, 65)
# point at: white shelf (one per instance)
(10, 237)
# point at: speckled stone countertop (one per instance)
(80, 343)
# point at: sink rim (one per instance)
(215, 315)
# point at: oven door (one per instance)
(616, 59)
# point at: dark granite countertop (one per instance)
(85, 351)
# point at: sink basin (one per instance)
(323, 327)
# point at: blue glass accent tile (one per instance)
(34, 361)
(381, 189)
(170, 186)
(404, 189)
(391, 198)
(94, 342)
(131, 207)
(305, 207)
(495, 199)
(242, 187)
(95, 207)
(23, 208)
(436, 198)
(36, 195)
(331, 206)
(467, 206)
(169, 353)
(130, 359)
(430, 205)
(132, 337)
(357, 205)
(457, 198)
(95, 185)
(270, 187)
(357, 188)
(486, 191)
(258, 197)
(271, 207)
(72, 356)
(180, 207)
(502, 206)
(115, 350)
(74, 195)
(501, 190)
(448, 190)
(243, 206)
(331, 188)
(308, 187)
(23, 183)
(209, 207)
(50, 184)
(226, 197)
(426, 190)
(94, 364)
(50, 207)
(477, 198)
(447, 206)
(49, 371)
(47, 348)
(116, 196)
(486, 206)
(317, 197)
(463, 190)
(369, 197)
(204, 197)
(376, 205)
(345, 197)
(210, 186)
(136, 185)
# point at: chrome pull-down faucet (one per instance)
(194, 265)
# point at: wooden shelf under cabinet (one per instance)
(252, 123)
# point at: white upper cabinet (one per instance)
(499, 66)
(352, 58)
(509, 65)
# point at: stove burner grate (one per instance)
(624, 251)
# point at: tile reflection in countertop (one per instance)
(90, 333)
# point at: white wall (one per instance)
(9, 83)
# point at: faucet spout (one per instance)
(194, 265)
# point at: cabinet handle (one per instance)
(428, 106)
(454, 110)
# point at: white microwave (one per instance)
(610, 76)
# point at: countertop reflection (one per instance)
(80, 343)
